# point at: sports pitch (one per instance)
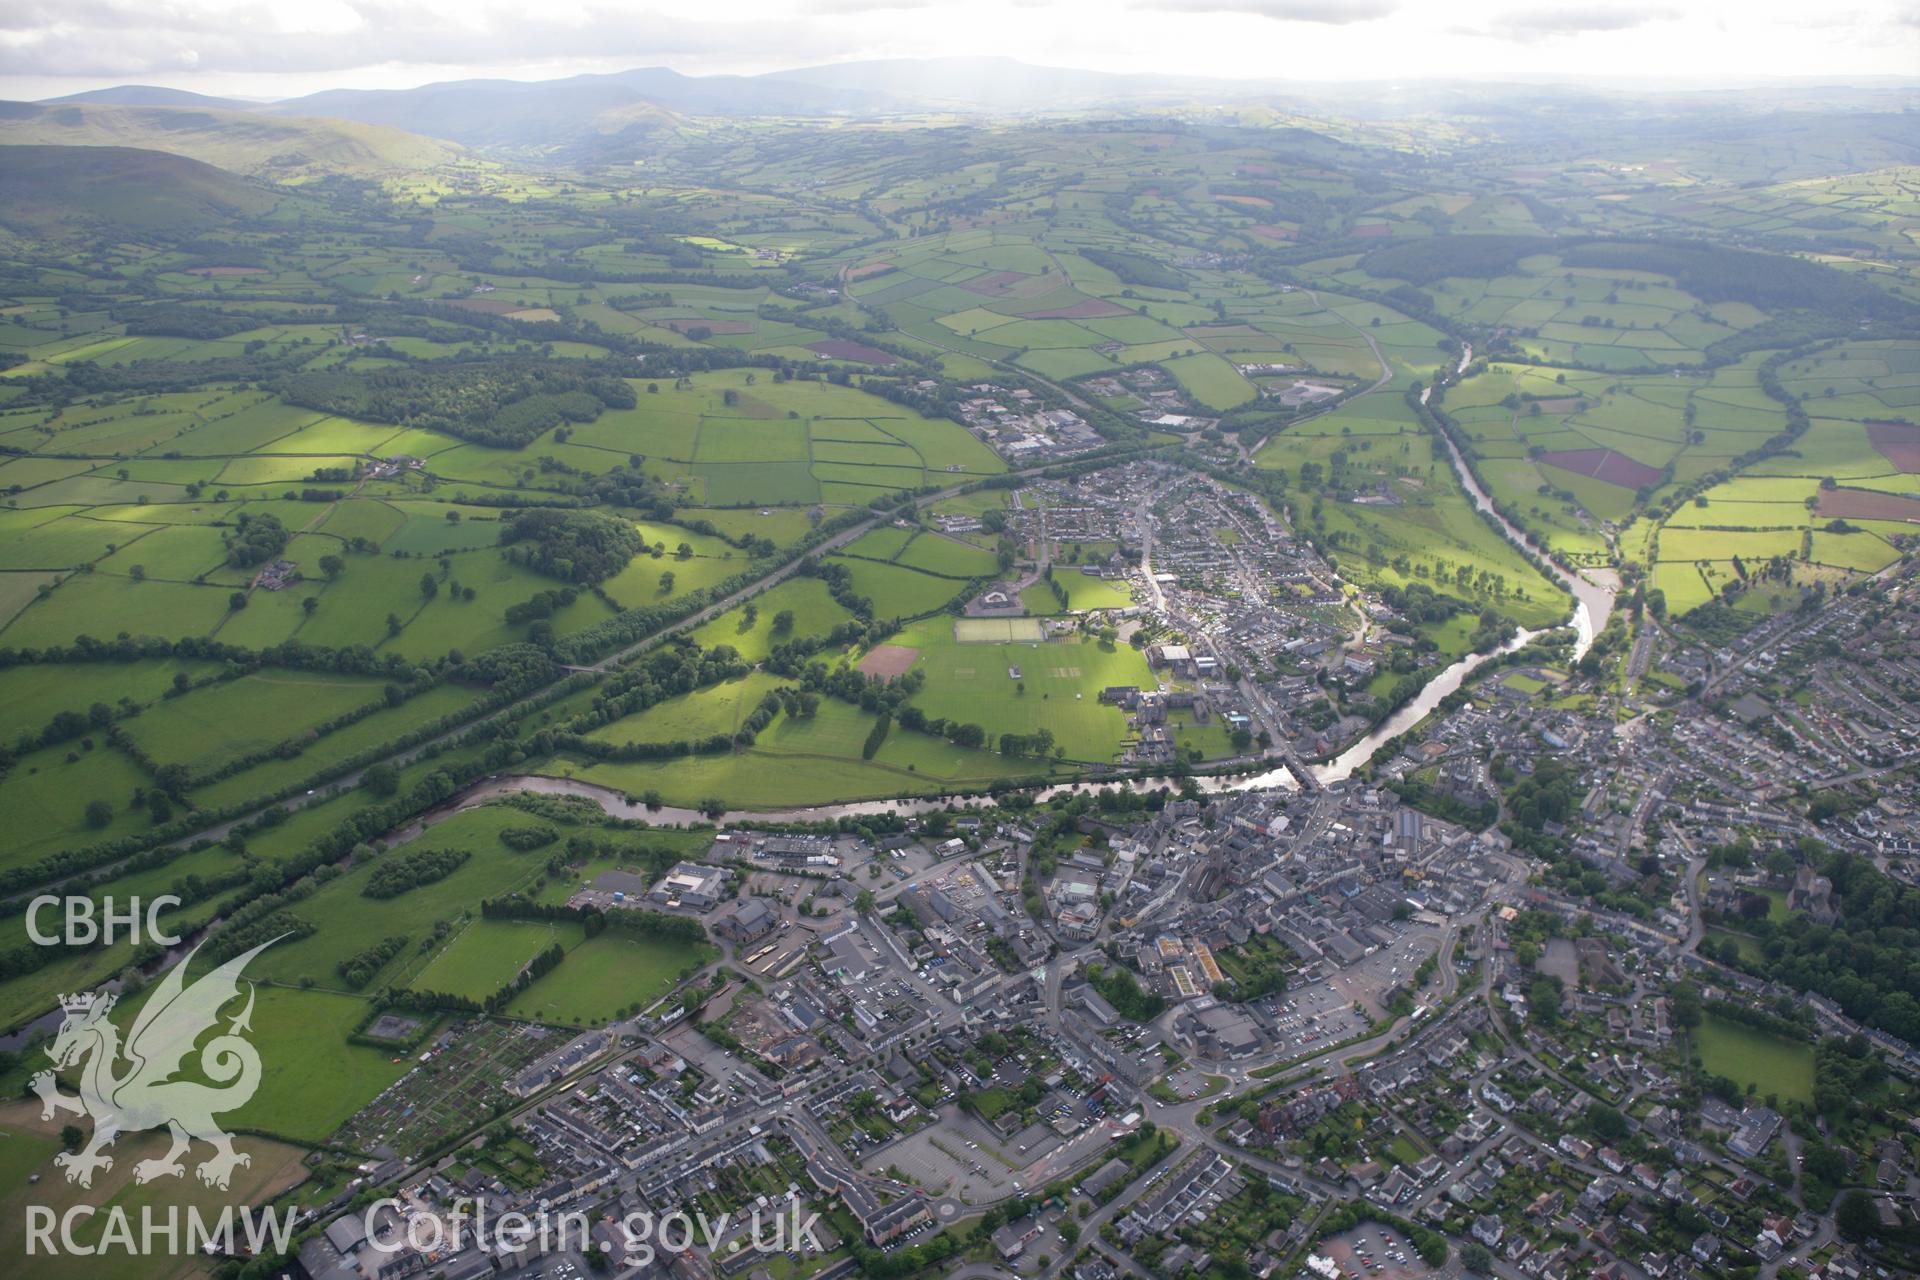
(998, 631)
(1058, 686)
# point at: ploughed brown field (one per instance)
(1862, 504)
(1897, 442)
(1088, 309)
(1603, 464)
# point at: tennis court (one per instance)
(997, 630)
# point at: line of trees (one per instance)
(538, 967)
(357, 970)
(656, 925)
(410, 870)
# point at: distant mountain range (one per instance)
(581, 117)
(616, 116)
(149, 95)
(845, 88)
(560, 114)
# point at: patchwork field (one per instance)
(1419, 525)
(800, 762)
(302, 469)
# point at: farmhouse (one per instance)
(278, 576)
(387, 468)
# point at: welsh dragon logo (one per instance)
(145, 1095)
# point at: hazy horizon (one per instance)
(274, 49)
(1302, 87)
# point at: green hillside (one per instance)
(54, 189)
(285, 148)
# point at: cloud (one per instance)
(859, 6)
(263, 47)
(125, 38)
(1591, 18)
(1328, 12)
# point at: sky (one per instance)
(283, 48)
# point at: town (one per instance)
(1310, 1027)
(776, 644)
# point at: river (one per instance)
(1592, 600)
(615, 803)
(1593, 603)
(1593, 590)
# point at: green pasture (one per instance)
(970, 683)
(1773, 1065)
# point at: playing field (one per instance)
(1086, 592)
(888, 660)
(1747, 1055)
(1058, 686)
(997, 630)
(606, 974)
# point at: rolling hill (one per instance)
(1791, 131)
(994, 84)
(151, 95)
(75, 189)
(559, 116)
(287, 149)
(580, 112)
